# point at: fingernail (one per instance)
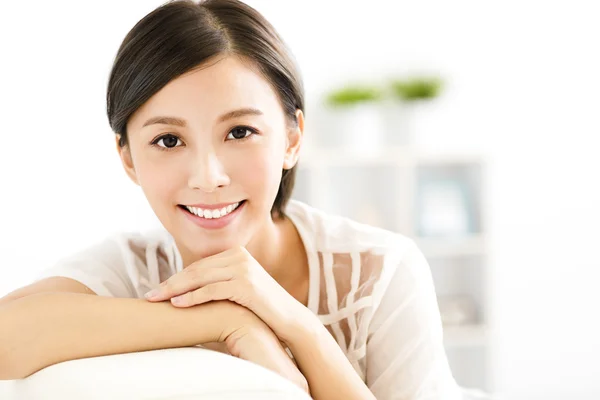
(152, 293)
(178, 300)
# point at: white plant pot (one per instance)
(398, 120)
(423, 122)
(357, 128)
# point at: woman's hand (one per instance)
(244, 335)
(257, 343)
(236, 276)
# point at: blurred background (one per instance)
(482, 143)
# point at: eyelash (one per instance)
(164, 148)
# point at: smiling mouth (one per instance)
(212, 213)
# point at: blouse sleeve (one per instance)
(406, 359)
(101, 267)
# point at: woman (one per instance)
(208, 111)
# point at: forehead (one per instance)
(203, 94)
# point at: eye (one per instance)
(168, 141)
(240, 133)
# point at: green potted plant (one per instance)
(355, 117)
(352, 95)
(413, 112)
(417, 88)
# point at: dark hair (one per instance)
(179, 36)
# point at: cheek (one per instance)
(258, 172)
(158, 180)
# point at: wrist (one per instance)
(304, 326)
(232, 317)
(257, 343)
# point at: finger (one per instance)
(213, 292)
(194, 277)
(188, 280)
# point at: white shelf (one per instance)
(392, 155)
(466, 335)
(385, 186)
(452, 247)
(343, 157)
(437, 158)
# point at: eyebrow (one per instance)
(180, 122)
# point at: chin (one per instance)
(206, 248)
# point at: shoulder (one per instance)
(143, 245)
(151, 255)
(360, 259)
(125, 247)
(356, 266)
(327, 232)
(122, 264)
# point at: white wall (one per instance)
(523, 86)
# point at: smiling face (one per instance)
(212, 138)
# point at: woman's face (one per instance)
(214, 139)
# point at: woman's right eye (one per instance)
(168, 141)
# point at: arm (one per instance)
(324, 364)
(43, 329)
(406, 358)
(235, 275)
(405, 351)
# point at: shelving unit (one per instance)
(389, 188)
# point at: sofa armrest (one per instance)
(182, 373)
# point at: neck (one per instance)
(269, 246)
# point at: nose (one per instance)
(208, 172)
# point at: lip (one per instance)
(213, 223)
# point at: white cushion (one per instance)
(183, 373)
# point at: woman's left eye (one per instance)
(240, 132)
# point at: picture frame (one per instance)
(444, 207)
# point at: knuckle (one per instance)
(241, 267)
(232, 250)
(245, 285)
(210, 290)
(245, 274)
(191, 272)
(192, 297)
(167, 286)
(242, 252)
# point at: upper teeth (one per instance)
(213, 213)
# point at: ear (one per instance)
(294, 142)
(125, 155)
